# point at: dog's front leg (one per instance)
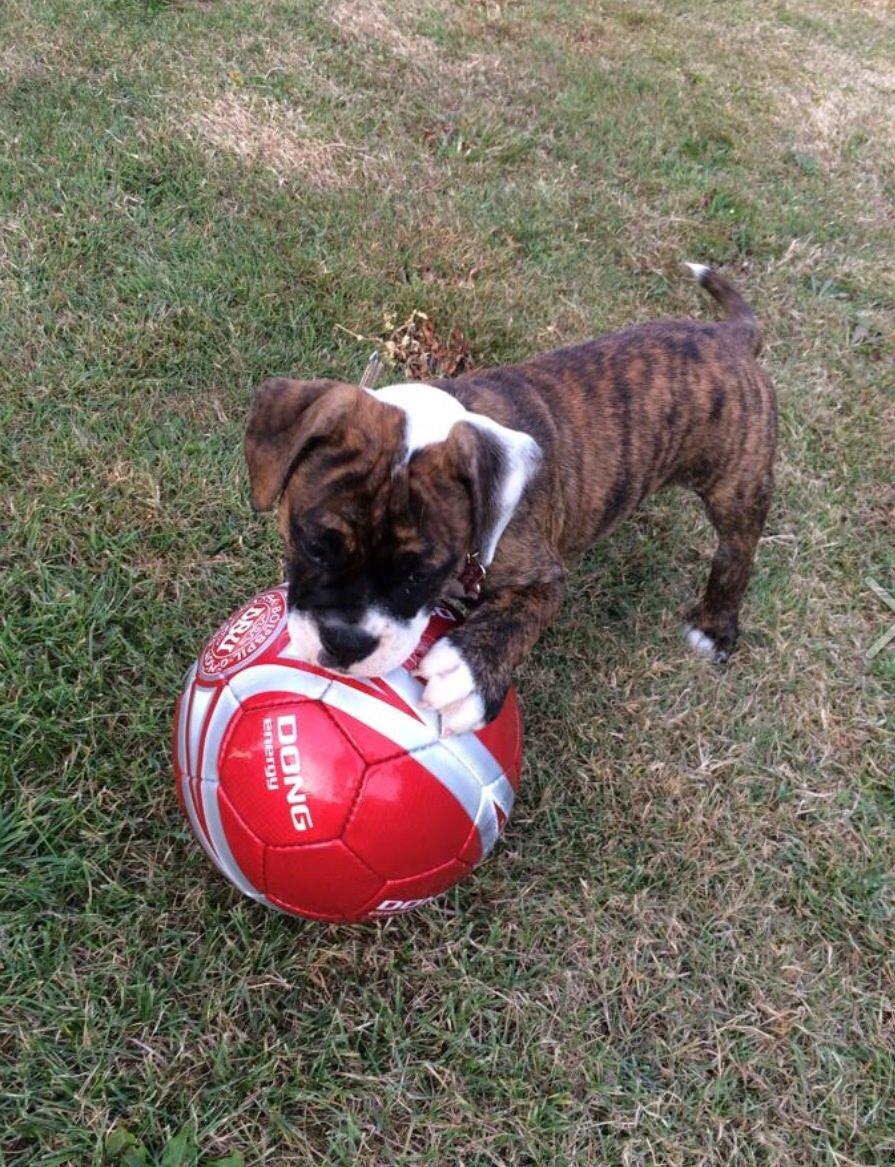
(467, 673)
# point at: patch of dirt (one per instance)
(274, 137)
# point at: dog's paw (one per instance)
(706, 645)
(450, 689)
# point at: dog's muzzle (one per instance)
(344, 645)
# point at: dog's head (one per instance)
(381, 497)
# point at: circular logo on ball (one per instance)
(244, 635)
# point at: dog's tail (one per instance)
(737, 310)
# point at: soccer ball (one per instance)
(330, 796)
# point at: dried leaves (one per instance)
(416, 347)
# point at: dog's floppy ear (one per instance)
(286, 416)
(494, 464)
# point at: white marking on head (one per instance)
(430, 415)
(429, 412)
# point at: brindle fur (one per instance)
(675, 402)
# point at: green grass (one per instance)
(681, 954)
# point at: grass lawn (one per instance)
(682, 952)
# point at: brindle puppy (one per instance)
(384, 495)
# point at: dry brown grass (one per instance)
(825, 93)
(407, 162)
(391, 26)
(385, 26)
(275, 138)
(15, 62)
(835, 97)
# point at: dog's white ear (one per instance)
(495, 465)
(285, 417)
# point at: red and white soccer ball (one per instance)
(329, 796)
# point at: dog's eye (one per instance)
(316, 549)
(416, 571)
(419, 573)
(411, 572)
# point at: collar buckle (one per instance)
(472, 577)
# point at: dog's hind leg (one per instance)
(712, 626)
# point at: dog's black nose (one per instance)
(344, 644)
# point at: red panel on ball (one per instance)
(372, 745)
(471, 853)
(244, 845)
(503, 737)
(326, 881)
(399, 895)
(289, 771)
(405, 821)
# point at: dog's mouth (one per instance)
(369, 647)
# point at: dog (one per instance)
(498, 478)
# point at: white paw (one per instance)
(700, 641)
(705, 644)
(451, 689)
